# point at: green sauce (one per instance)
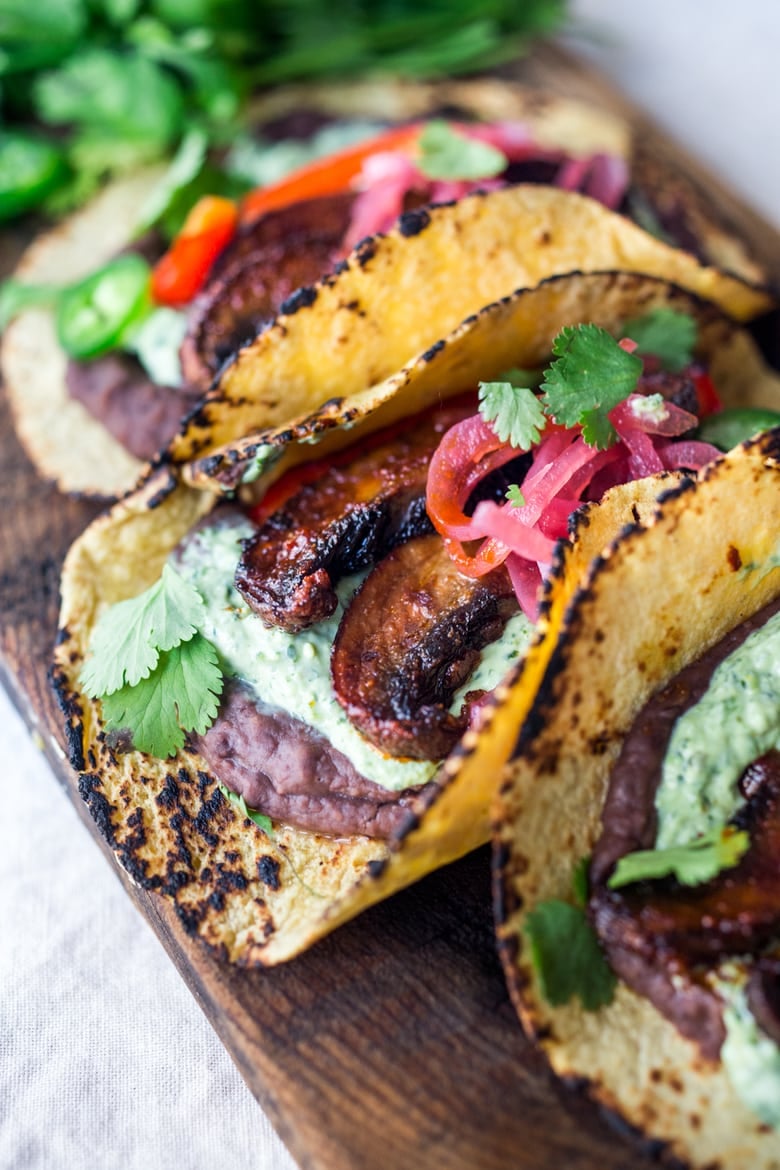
(751, 1058)
(736, 721)
(292, 671)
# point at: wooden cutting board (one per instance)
(391, 1044)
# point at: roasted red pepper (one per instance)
(181, 273)
(325, 176)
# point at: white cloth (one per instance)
(105, 1059)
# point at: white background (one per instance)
(105, 1060)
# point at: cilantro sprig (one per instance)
(692, 864)
(260, 819)
(155, 674)
(515, 413)
(590, 374)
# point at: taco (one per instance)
(636, 855)
(342, 488)
(102, 392)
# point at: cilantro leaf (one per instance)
(181, 694)
(198, 683)
(566, 956)
(590, 376)
(668, 335)
(445, 153)
(515, 496)
(514, 412)
(126, 642)
(692, 864)
(260, 819)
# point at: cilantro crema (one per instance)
(692, 864)
(155, 674)
(445, 153)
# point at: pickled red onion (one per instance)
(387, 177)
(565, 470)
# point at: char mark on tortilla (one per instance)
(255, 274)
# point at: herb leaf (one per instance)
(515, 496)
(445, 153)
(701, 860)
(181, 694)
(668, 335)
(127, 640)
(260, 819)
(590, 376)
(566, 956)
(514, 412)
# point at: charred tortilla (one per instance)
(655, 602)
(69, 446)
(258, 899)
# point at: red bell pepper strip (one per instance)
(325, 176)
(181, 273)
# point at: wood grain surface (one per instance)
(392, 1043)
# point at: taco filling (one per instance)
(364, 607)
(702, 760)
(238, 256)
(637, 837)
(232, 267)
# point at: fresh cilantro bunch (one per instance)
(155, 674)
(590, 374)
(91, 88)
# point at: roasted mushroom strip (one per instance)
(256, 273)
(410, 637)
(342, 522)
